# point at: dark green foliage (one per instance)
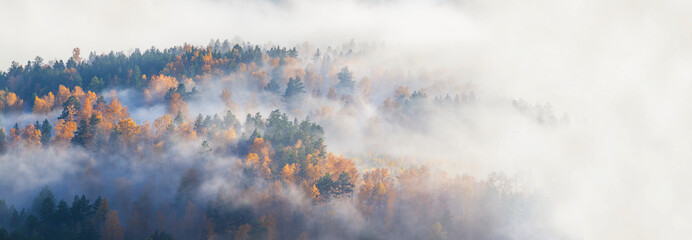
(116, 69)
(281, 132)
(114, 139)
(71, 101)
(45, 193)
(346, 85)
(178, 119)
(326, 186)
(2, 141)
(83, 133)
(188, 186)
(46, 129)
(273, 86)
(198, 126)
(253, 123)
(329, 188)
(182, 90)
(343, 185)
(295, 91)
(96, 84)
(51, 220)
(228, 217)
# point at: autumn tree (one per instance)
(70, 108)
(364, 88)
(41, 106)
(128, 130)
(332, 94)
(101, 211)
(31, 135)
(287, 172)
(88, 105)
(113, 113)
(111, 229)
(160, 84)
(226, 98)
(64, 131)
(15, 134)
(63, 94)
(75, 55)
(10, 101)
(176, 104)
(163, 125)
(377, 193)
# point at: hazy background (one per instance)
(619, 69)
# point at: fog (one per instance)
(614, 164)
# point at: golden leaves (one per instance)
(128, 130)
(64, 131)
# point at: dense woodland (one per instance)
(281, 180)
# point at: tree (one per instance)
(101, 211)
(346, 85)
(75, 55)
(176, 104)
(83, 133)
(295, 92)
(332, 94)
(178, 119)
(226, 98)
(287, 172)
(3, 146)
(96, 84)
(325, 186)
(46, 132)
(273, 86)
(343, 184)
(112, 229)
(47, 211)
(314, 192)
(64, 130)
(63, 94)
(41, 106)
(31, 135)
(160, 84)
(70, 108)
(113, 113)
(128, 130)
(199, 124)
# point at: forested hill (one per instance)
(236, 149)
(120, 70)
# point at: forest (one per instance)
(228, 141)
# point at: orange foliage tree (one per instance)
(128, 130)
(159, 85)
(31, 135)
(64, 131)
(176, 104)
